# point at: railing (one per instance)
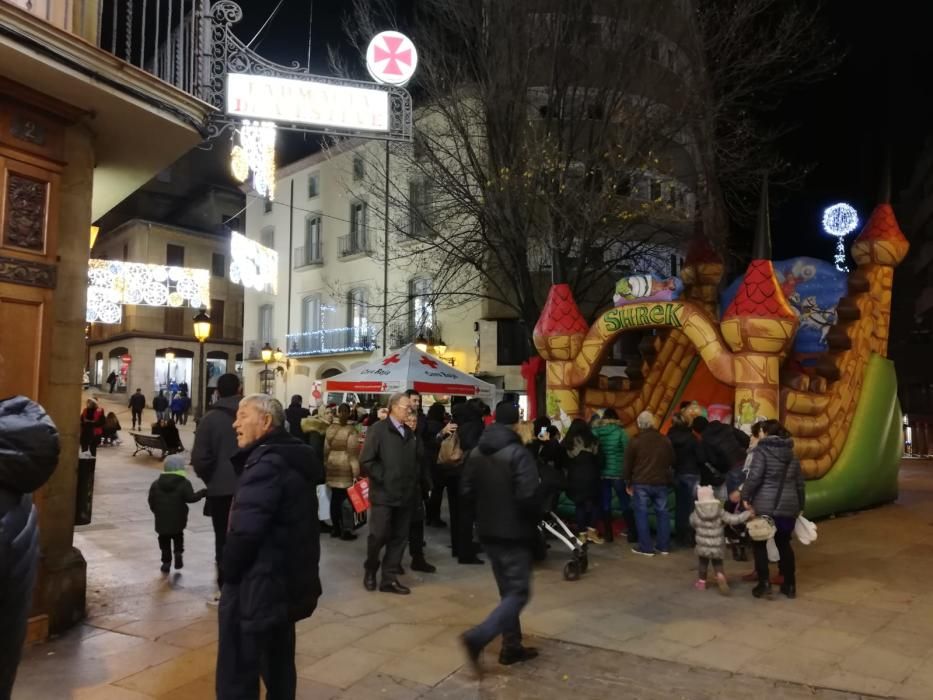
(331, 341)
(354, 244)
(309, 255)
(167, 38)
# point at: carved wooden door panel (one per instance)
(24, 331)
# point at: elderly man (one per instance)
(648, 475)
(270, 557)
(391, 459)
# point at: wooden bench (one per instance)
(150, 443)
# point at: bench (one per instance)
(150, 443)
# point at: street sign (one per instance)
(391, 58)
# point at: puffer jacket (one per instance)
(501, 479)
(314, 429)
(29, 450)
(169, 496)
(612, 443)
(273, 543)
(686, 450)
(583, 467)
(341, 455)
(708, 519)
(772, 460)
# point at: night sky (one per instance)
(880, 94)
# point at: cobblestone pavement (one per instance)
(862, 625)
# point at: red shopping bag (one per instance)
(359, 495)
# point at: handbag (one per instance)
(762, 528)
(450, 453)
(359, 495)
(323, 502)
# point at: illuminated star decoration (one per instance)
(839, 221)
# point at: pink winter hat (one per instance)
(705, 493)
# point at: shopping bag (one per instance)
(350, 519)
(773, 554)
(359, 495)
(805, 530)
(323, 502)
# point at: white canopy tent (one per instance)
(409, 368)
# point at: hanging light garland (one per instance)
(255, 154)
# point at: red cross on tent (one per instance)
(425, 360)
(394, 56)
(391, 360)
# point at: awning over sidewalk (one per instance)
(409, 368)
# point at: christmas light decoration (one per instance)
(114, 283)
(255, 154)
(331, 340)
(253, 265)
(839, 221)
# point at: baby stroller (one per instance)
(551, 524)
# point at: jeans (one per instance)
(685, 486)
(389, 527)
(511, 565)
(656, 497)
(220, 515)
(587, 514)
(242, 657)
(167, 541)
(787, 566)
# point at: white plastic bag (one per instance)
(323, 502)
(805, 530)
(773, 554)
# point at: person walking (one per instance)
(29, 450)
(169, 496)
(136, 405)
(775, 488)
(686, 475)
(294, 414)
(391, 459)
(342, 466)
(215, 443)
(160, 406)
(501, 478)
(112, 380)
(271, 557)
(92, 427)
(647, 473)
(613, 440)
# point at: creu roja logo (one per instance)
(639, 316)
(379, 370)
(447, 375)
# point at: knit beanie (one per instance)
(174, 463)
(506, 413)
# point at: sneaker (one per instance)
(507, 657)
(723, 583)
(214, 600)
(636, 550)
(662, 552)
(593, 536)
(700, 584)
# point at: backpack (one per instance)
(450, 453)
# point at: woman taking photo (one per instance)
(775, 488)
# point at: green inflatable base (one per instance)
(865, 473)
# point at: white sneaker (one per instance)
(214, 600)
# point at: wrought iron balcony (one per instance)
(332, 341)
(309, 255)
(354, 244)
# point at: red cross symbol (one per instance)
(391, 360)
(394, 56)
(428, 361)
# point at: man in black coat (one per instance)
(502, 479)
(137, 404)
(28, 456)
(271, 555)
(391, 458)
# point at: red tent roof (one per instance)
(759, 295)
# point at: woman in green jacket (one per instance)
(612, 443)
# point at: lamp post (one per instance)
(202, 331)
(265, 385)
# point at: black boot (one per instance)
(179, 562)
(762, 590)
(369, 580)
(608, 536)
(789, 589)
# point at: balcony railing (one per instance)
(168, 38)
(331, 341)
(354, 244)
(309, 255)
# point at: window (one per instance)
(418, 196)
(266, 206)
(218, 264)
(217, 318)
(311, 313)
(595, 111)
(358, 315)
(421, 305)
(359, 168)
(623, 186)
(511, 342)
(419, 147)
(655, 190)
(265, 323)
(174, 322)
(267, 237)
(314, 182)
(175, 255)
(313, 251)
(358, 225)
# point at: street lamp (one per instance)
(421, 343)
(278, 355)
(266, 354)
(202, 331)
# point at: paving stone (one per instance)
(878, 662)
(345, 667)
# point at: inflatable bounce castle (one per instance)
(794, 340)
